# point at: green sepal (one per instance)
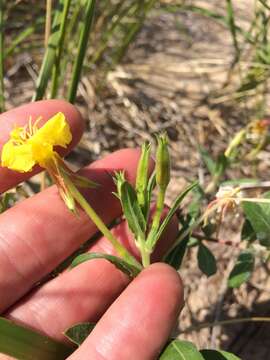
(142, 176)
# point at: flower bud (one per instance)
(142, 173)
(235, 142)
(162, 162)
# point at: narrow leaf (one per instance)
(79, 332)
(25, 344)
(181, 350)
(131, 208)
(174, 208)
(122, 265)
(207, 159)
(242, 269)
(206, 260)
(218, 355)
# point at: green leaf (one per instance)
(174, 208)
(181, 350)
(131, 207)
(62, 33)
(207, 159)
(209, 229)
(248, 232)
(206, 260)
(258, 215)
(218, 355)
(222, 163)
(244, 182)
(26, 344)
(194, 207)
(79, 332)
(242, 269)
(122, 265)
(175, 257)
(89, 10)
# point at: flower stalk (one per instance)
(120, 249)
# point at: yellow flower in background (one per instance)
(30, 145)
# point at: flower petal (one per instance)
(41, 152)
(18, 158)
(55, 131)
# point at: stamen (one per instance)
(30, 133)
(35, 127)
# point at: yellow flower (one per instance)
(31, 145)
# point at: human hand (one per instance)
(134, 320)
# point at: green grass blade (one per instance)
(221, 19)
(25, 344)
(263, 2)
(22, 36)
(118, 14)
(143, 9)
(56, 69)
(50, 54)
(232, 27)
(84, 36)
(2, 87)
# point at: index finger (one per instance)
(20, 117)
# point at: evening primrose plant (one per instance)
(33, 145)
(143, 205)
